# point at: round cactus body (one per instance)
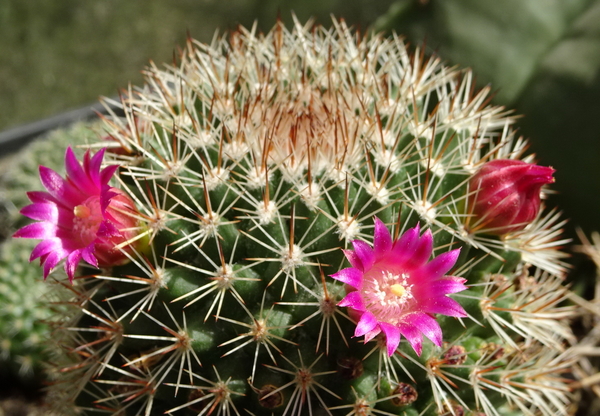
(304, 243)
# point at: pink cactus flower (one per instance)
(394, 289)
(505, 195)
(80, 217)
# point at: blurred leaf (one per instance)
(503, 41)
(543, 59)
(562, 108)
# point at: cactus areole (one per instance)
(305, 199)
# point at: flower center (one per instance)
(88, 217)
(398, 289)
(395, 289)
(386, 294)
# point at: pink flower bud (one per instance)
(505, 195)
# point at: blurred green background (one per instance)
(542, 57)
(60, 54)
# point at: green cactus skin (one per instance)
(22, 329)
(253, 162)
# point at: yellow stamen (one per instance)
(398, 289)
(81, 211)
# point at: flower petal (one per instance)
(382, 240)
(392, 335)
(349, 276)
(365, 253)
(413, 336)
(45, 247)
(367, 323)
(445, 306)
(406, 245)
(372, 334)
(37, 230)
(76, 175)
(448, 285)
(353, 300)
(71, 263)
(353, 259)
(106, 195)
(52, 181)
(93, 165)
(423, 250)
(46, 211)
(50, 261)
(427, 325)
(39, 196)
(107, 173)
(88, 255)
(440, 265)
(59, 188)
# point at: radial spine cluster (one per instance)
(305, 204)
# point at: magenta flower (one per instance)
(505, 194)
(394, 290)
(80, 217)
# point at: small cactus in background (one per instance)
(23, 332)
(306, 199)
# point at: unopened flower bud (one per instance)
(505, 195)
(404, 394)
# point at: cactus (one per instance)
(588, 283)
(280, 182)
(22, 331)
